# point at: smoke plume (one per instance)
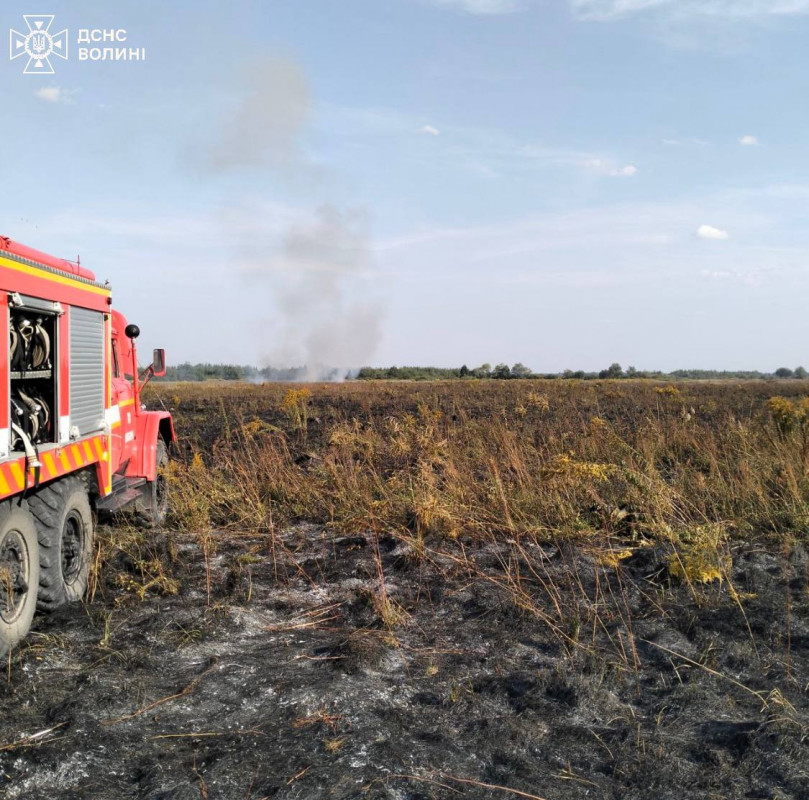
(273, 107)
(314, 271)
(321, 264)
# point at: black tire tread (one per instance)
(47, 507)
(20, 507)
(147, 515)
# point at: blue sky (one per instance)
(566, 183)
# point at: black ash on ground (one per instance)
(314, 665)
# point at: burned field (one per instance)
(486, 590)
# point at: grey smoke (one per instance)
(321, 264)
(314, 273)
(274, 104)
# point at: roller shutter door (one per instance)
(86, 370)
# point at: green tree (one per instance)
(784, 372)
(800, 372)
(613, 371)
(520, 371)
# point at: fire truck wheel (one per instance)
(153, 509)
(65, 527)
(19, 573)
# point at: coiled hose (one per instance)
(29, 345)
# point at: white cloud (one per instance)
(602, 10)
(480, 6)
(709, 232)
(429, 129)
(51, 94)
(606, 166)
(748, 141)
(597, 164)
(56, 94)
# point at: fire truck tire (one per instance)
(153, 510)
(19, 573)
(65, 527)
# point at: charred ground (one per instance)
(385, 651)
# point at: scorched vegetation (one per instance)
(542, 589)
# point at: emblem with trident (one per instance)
(38, 44)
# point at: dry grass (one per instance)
(609, 467)
(465, 459)
(479, 540)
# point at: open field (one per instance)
(464, 589)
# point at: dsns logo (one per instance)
(39, 44)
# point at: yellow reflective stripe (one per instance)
(51, 276)
(16, 473)
(49, 463)
(108, 467)
(55, 462)
(64, 460)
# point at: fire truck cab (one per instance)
(75, 439)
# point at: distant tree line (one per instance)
(614, 371)
(501, 371)
(239, 372)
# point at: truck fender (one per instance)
(149, 427)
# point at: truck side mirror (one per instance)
(159, 363)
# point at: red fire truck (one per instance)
(75, 440)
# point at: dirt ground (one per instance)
(325, 666)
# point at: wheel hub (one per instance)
(14, 571)
(72, 547)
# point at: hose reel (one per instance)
(30, 418)
(32, 397)
(29, 344)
